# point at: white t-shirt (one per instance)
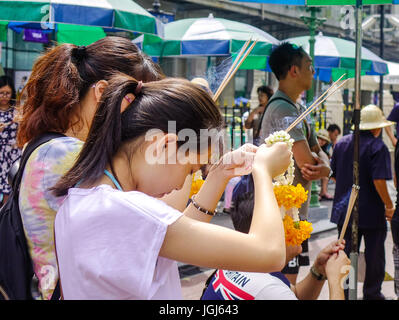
(108, 244)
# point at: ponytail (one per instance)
(53, 86)
(105, 136)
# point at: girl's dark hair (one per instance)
(61, 78)
(7, 81)
(283, 57)
(157, 103)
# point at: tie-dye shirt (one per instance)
(38, 206)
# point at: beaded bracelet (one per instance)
(316, 274)
(198, 207)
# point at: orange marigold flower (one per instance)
(290, 196)
(295, 236)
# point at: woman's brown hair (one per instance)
(61, 78)
(156, 104)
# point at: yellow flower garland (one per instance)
(295, 235)
(196, 184)
(290, 196)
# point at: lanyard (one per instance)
(110, 175)
(116, 183)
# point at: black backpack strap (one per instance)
(16, 180)
(264, 111)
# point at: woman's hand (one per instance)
(274, 159)
(236, 163)
(326, 253)
(337, 266)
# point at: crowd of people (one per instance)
(105, 207)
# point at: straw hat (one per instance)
(323, 134)
(371, 117)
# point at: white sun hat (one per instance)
(371, 117)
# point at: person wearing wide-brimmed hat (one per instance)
(375, 205)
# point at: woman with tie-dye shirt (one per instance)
(63, 91)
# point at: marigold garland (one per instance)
(290, 198)
(294, 236)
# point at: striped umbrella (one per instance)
(322, 2)
(334, 57)
(211, 37)
(71, 15)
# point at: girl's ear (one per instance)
(170, 148)
(99, 89)
(162, 147)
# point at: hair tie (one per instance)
(138, 88)
(79, 53)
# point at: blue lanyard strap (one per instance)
(110, 175)
(116, 183)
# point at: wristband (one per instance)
(316, 274)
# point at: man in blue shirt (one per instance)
(375, 205)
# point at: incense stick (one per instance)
(244, 47)
(352, 198)
(235, 66)
(313, 107)
(332, 86)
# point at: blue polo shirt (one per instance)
(394, 116)
(374, 163)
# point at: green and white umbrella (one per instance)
(322, 2)
(334, 56)
(81, 21)
(211, 37)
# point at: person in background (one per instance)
(323, 138)
(394, 117)
(293, 68)
(254, 117)
(333, 132)
(375, 204)
(203, 83)
(9, 151)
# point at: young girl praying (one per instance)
(115, 239)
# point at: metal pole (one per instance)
(312, 23)
(382, 22)
(356, 119)
(312, 40)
